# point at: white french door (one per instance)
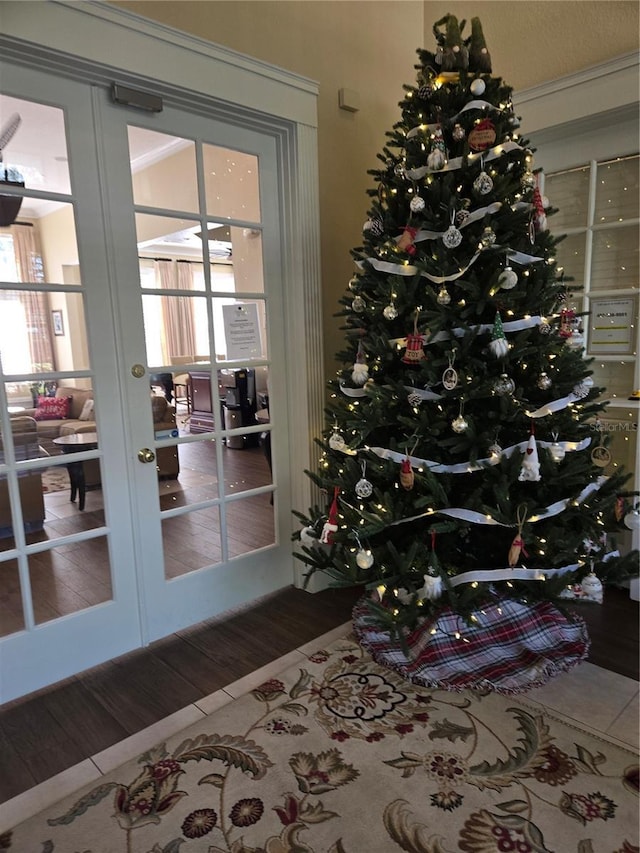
(186, 517)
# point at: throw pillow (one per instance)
(87, 411)
(52, 408)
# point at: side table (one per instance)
(75, 443)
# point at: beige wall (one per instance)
(369, 47)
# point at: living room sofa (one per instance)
(26, 446)
(49, 428)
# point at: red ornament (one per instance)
(405, 241)
(331, 524)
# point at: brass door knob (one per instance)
(146, 455)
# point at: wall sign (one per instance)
(612, 326)
(242, 331)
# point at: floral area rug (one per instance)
(341, 755)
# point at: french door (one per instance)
(149, 283)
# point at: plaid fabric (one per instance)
(512, 648)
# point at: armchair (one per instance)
(26, 446)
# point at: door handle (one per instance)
(146, 455)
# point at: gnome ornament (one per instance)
(437, 157)
(592, 587)
(406, 474)
(479, 56)
(530, 470)
(331, 524)
(540, 217)
(499, 345)
(360, 372)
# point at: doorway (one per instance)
(140, 487)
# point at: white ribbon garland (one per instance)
(407, 269)
(481, 329)
(481, 464)
(522, 574)
(480, 213)
(459, 162)
(479, 518)
(420, 392)
(472, 105)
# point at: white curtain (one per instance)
(177, 311)
(36, 305)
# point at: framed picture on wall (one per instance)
(612, 328)
(58, 323)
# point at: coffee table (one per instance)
(75, 443)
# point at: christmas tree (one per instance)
(461, 461)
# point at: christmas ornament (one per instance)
(477, 87)
(414, 353)
(517, 546)
(458, 133)
(582, 389)
(483, 184)
(479, 56)
(592, 587)
(354, 284)
(567, 323)
(414, 399)
(450, 376)
(399, 170)
(460, 424)
(360, 372)
(499, 345)
(528, 180)
(544, 327)
(358, 304)
(375, 226)
(406, 474)
(600, 455)
(443, 297)
(406, 240)
(452, 237)
(417, 204)
(331, 525)
(364, 559)
(483, 134)
(437, 156)
(531, 230)
(390, 312)
(530, 470)
(540, 217)
(336, 441)
(504, 385)
(495, 451)
(308, 537)
(363, 488)
(462, 215)
(576, 340)
(632, 518)
(507, 279)
(544, 382)
(425, 91)
(618, 510)
(556, 450)
(488, 238)
(431, 589)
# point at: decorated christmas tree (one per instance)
(461, 461)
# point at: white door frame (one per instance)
(103, 44)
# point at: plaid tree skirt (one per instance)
(512, 648)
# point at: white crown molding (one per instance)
(607, 90)
(105, 37)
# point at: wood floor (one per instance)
(47, 732)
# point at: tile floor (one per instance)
(602, 701)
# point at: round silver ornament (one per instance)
(460, 424)
(575, 341)
(488, 238)
(443, 297)
(504, 385)
(600, 456)
(363, 488)
(544, 381)
(592, 586)
(354, 283)
(336, 441)
(483, 184)
(507, 279)
(358, 304)
(544, 328)
(390, 312)
(458, 132)
(452, 237)
(477, 86)
(399, 170)
(417, 204)
(364, 559)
